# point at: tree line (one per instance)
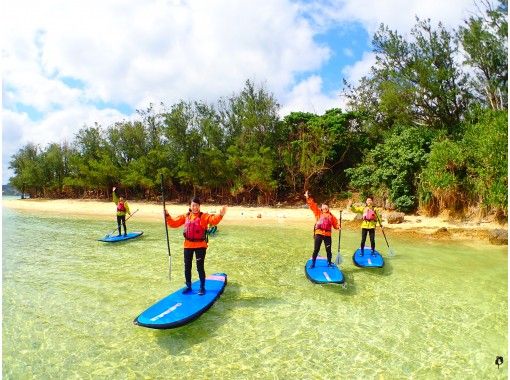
(426, 128)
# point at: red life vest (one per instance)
(193, 230)
(369, 215)
(324, 223)
(121, 207)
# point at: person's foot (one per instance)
(125, 234)
(373, 253)
(201, 291)
(312, 266)
(330, 264)
(361, 253)
(187, 290)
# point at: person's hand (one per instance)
(113, 188)
(306, 194)
(166, 214)
(223, 210)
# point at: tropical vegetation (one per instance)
(426, 128)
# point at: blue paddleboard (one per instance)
(368, 260)
(115, 238)
(177, 309)
(322, 273)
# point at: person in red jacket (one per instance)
(195, 239)
(325, 221)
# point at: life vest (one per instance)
(369, 215)
(324, 223)
(193, 230)
(121, 207)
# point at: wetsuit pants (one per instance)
(371, 233)
(318, 239)
(188, 263)
(121, 219)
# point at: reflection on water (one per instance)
(436, 310)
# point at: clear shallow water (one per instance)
(436, 310)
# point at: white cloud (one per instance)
(397, 14)
(140, 52)
(361, 68)
(348, 52)
(307, 96)
(136, 53)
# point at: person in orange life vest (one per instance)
(368, 224)
(195, 239)
(322, 230)
(122, 209)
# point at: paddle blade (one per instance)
(391, 253)
(338, 259)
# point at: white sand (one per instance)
(249, 215)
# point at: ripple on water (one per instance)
(437, 310)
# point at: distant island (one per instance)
(9, 190)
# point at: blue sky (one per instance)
(67, 65)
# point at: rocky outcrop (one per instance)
(498, 237)
(395, 217)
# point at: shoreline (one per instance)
(413, 225)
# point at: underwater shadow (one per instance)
(385, 271)
(178, 341)
(348, 288)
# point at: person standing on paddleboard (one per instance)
(368, 224)
(322, 228)
(195, 239)
(122, 209)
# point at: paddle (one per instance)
(338, 259)
(166, 229)
(391, 253)
(110, 234)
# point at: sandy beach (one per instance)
(431, 227)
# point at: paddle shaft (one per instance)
(126, 221)
(339, 231)
(382, 229)
(338, 258)
(166, 230)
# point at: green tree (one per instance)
(472, 171)
(484, 39)
(413, 82)
(444, 183)
(390, 169)
(315, 146)
(184, 144)
(55, 166)
(250, 120)
(91, 165)
(28, 170)
(486, 144)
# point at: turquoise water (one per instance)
(437, 310)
